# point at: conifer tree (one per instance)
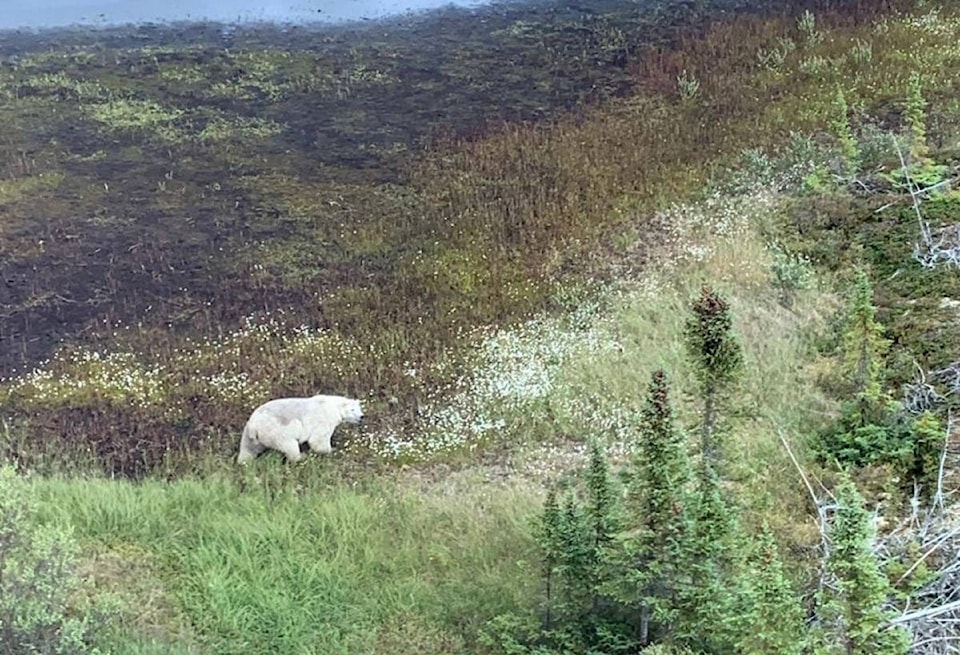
(849, 150)
(601, 514)
(575, 561)
(548, 534)
(863, 343)
(853, 618)
(776, 621)
(713, 602)
(601, 501)
(717, 359)
(659, 498)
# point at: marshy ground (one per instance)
(195, 218)
(382, 188)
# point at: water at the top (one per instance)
(39, 14)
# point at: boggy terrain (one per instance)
(195, 218)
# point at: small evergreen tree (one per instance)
(601, 502)
(717, 359)
(863, 343)
(776, 618)
(927, 448)
(921, 171)
(659, 499)
(872, 427)
(849, 150)
(603, 524)
(575, 564)
(713, 607)
(548, 535)
(854, 620)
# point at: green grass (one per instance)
(290, 561)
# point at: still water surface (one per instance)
(38, 14)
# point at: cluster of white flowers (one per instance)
(268, 340)
(82, 374)
(224, 365)
(695, 230)
(511, 371)
(521, 372)
(934, 23)
(236, 387)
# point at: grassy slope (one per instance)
(273, 563)
(434, 560)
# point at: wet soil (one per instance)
(109, 215)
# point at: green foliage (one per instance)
(872, 427)
(851, 612)
(548, 536)
(791, 272)
(775, 59)
(861, 53)
(603, 521)
(807, 26)
(867, 434)
(39, 586)
(776, 620)
(863, 344)
(712, 610)
(921, 171)
(512, 634)
(135, 115)
(583, 538)
(659, 503)
(681, 571)
(818, 180)
(927, 437)
(688, 86)
(716, 356)
(849, 149)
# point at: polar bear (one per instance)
(285, 423)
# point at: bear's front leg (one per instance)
(320, 443)
(291, 448)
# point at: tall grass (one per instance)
(596, 392)
(288, 563)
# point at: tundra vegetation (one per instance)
(654, 316)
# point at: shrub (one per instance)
(873, 428)
(791, 273)
(852, 612)
(38, 587)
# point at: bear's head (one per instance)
(350, 411)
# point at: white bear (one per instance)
(285, 423)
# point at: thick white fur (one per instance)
(285, 423)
